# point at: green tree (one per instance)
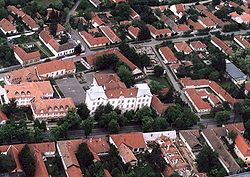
(158, 70)
(147, 123)
(143, 112)
(215, 2)
(232, 135)
(83, 111)
(27, 161)
(113, 126)
(88, 125)
(7, 163)
(222, 117)
(156, 159)
(121, 11)
(247, 129)
(207, 159)
(126, 75)
(155, 87)
(84, 156)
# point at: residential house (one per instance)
(234, 73)
(15, 11)
(181, 29)
(7, 27)
(195, 26)
(159, 33)
(92, 41)
(67, 151)
(30, 22)
(182, 47)
(221, 45)
(244, 18)
(178, 9)
(158, 106)
(127, 145)
(241, 41)
(24, 57)
(25, 92)
(134, 31)
(198, 46)
(110, 34)
(206, 22)
(107, 88)
(168, 55)
(96, 21)
(39, 152)
(134, 15)
(57, 49)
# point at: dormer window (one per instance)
(56, 108)
(50, 109)
(28, 92)
(66, 107)
(22, 93)
(16, 93)
(61, 108)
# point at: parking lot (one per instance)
(72, 88)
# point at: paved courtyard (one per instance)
(72, 88)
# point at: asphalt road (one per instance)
(72, 11)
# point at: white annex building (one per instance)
(107, 88)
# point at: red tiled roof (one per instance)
(236, 127)
(94, 40)
(198, 45)
(30, 22)
(195, 25)
(110, 34)
(155, 31)
(132, 140)
(228, 50)
(242, 40)
(169, 56)
(6, 25)
(134, 30)
(243, 145)
(16, 11)
(158, 105)
(197, 100)
(27, 56)
(207, 22)
(183, 47)
(181, 28)
(97, 19)
(133, 14)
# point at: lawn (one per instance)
(55, 167)
(44, 49)
(162, 80)
(80, 67)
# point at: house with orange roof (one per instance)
(178, 9)
(221, 45)
(182, 47)
(159, 33)
(158, 106)
(92, 41)
(134, 15)
(206, 22)
(180, 29)
(24, 57)
(7, 27)
(241, 41)
(128, 144)
(134, 31)
(67, 151)
(51, 109)
(57, 49)
(24, 92)
(244, 18)
(30, 22)
(107, 88)
(198, 46)
(110, 34)
(16, 11)
(195, 26)
(39, 151)
(96, 21)
(168, 55)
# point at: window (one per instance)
(97, 103)
(61, 108)
(143, 100)
(28, 92)
(139, 100)
(128, 101)
(127, 106)
(50, 108)
(122, 101)
(93, 103)
(113, 102)
(133, 101)
(98, 98)
(147, 100)
(93, 108)
(16, 93)
(56, 108)
(22, 93)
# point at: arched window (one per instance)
(28, 92)
(50, 108)
(22, 93)
(61, 108)
(16, 93)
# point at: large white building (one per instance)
(107, 88)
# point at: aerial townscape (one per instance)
(124, 88)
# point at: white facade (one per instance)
(8, 32)
(96, 96)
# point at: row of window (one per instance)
(122, 101)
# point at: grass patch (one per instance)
(55, 167)
(45, 50)
(162, 80)
(80, 67)
(206, 116)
